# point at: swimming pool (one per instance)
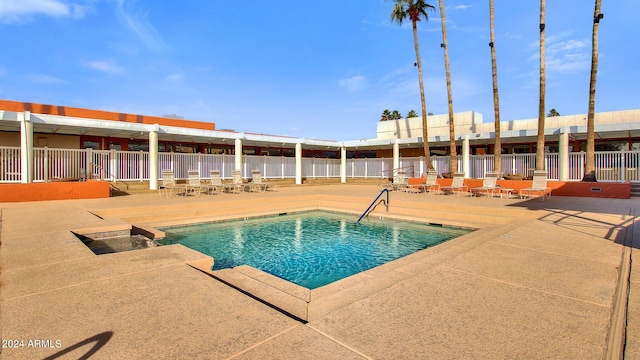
(310, 249)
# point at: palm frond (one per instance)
(412, 9)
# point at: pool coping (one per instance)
(308, 304)
(297, 301)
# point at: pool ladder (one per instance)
(371, 207)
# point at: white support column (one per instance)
(26, 147)
(465, 157)
(396, 157)
(563, 154)
(113, 165)
(89, 163)
(238, 158)
(153, 158)
(343, 165)
(298, 164)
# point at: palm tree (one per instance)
(386, 115)
(541, 115)
(589, 166)
(415, 10)
(553, 112)
(497, 147)
(452, 134)
(412, 114)
(395, 115)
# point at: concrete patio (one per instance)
(538, 280)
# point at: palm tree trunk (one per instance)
(589, 166)
(497, 147)
(425, 132)
(452, 132)
(541, 114)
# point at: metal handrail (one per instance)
(395, 170)
(103, 173)
(366, 212)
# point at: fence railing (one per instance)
(52, 164)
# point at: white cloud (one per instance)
(17, 11)
(571, 45)
(513, 36)
(138, 21)
(354, 83)
(462, 7)
(104, 66)
(175, 77)
(568, 63)
(44, 79)
(564, 55)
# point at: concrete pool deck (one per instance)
(540, 279)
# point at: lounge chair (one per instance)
(168, 184)
(430, 184)
(257, 184)
(194, 185)
(237, 185)
(488, 185)
(399, 182)
(215, 182)
(457, 186)
(538, 187)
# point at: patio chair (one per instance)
(430, 184)
(457, 186)
(488, 185)
(399, 182)
(538, 187)
(215, 182)
(168, 184)
(257, 184)
(237, 185)
(194, 185)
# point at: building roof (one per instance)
(76, 121)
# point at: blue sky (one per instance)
(322, 69)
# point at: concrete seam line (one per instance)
(48, 264)
(525, 287)
(263, 341)
(616, 334)
(545, 252)
(340, 342)
(91, 281)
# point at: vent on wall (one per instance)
(595, 189)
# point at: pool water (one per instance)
(310, 249)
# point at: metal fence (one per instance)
(51, 164)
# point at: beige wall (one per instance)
(42, 140)
(471, 123)
(465, 123)
(9, 138)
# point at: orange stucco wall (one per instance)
(18, 106)
(559, 188)
(54, 191)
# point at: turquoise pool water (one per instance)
(310, 249)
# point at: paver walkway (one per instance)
(538, 281)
